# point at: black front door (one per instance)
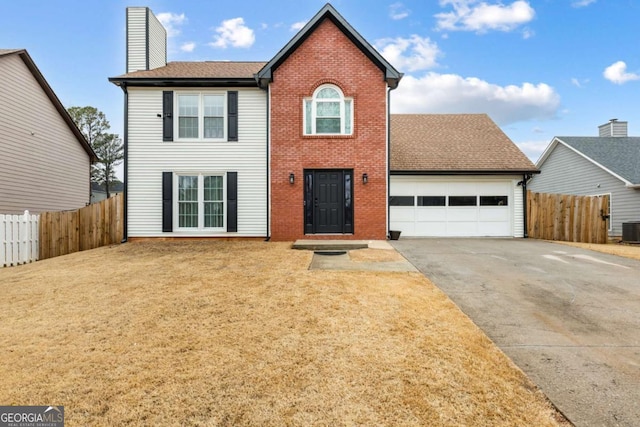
(328, 201)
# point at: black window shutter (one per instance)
(167, 201)
(232, 201)
(232, 115)
(167, 115)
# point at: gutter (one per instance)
(125, 141)
(465, 172)
(389, 157)
(183, 82)
(525, 178)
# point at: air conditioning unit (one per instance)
(631, 232)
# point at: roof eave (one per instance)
(183, 81)
(464, 172)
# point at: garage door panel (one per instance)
(438, 229)
(402, 213)
(494, 214)
(462, 229)
(431, 214)
(462, 214)
(489, 229)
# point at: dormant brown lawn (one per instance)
(242, 333)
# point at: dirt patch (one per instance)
(242, 333)
(619, 249)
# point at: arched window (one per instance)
(328, 112)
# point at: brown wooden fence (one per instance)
(96, 225)
(568, 218)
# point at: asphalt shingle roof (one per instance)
(621, 155)
(199, 70)
(453, 142)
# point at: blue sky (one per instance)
(538, 68)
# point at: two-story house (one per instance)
(299, 146)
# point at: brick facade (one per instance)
(328, 56)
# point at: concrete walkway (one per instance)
(328, 256)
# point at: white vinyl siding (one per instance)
(149, 157)
(43, 166)
(145, 50)
(136, 39)
(157, 40)
(451, 206)
(566, 172)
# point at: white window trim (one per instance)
(201, 94)
(343, 117)
(176, 201)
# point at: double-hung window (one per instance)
(201, 116)
(328, 112)
(200, 201)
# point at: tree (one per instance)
(108, 146)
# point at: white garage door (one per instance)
(423, 206)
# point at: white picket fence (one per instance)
(18, 239)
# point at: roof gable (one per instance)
(453, 143)
(618, 156)
(22, 53)
(391, 75)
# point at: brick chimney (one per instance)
(146, 40)
(613, 128)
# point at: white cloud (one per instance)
(398, 11)
(170, 22)
(617, 73)
(233, 32)
(579, 82)
(582, 3)
(527, 33)
(473, 15)
(532, 149)
(297, 26)
(412, 54)
(450, 93)
(188, 47)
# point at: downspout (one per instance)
(125, 141)
(388, 158)
(268, 237)
(525, 178)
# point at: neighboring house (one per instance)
(456, 175)
(45, 162)
(99, 193)
(296, 147)
(592, 166)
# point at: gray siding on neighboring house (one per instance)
(587, 179)
(43, 167)
(149, 156)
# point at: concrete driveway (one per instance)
(568, 317)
